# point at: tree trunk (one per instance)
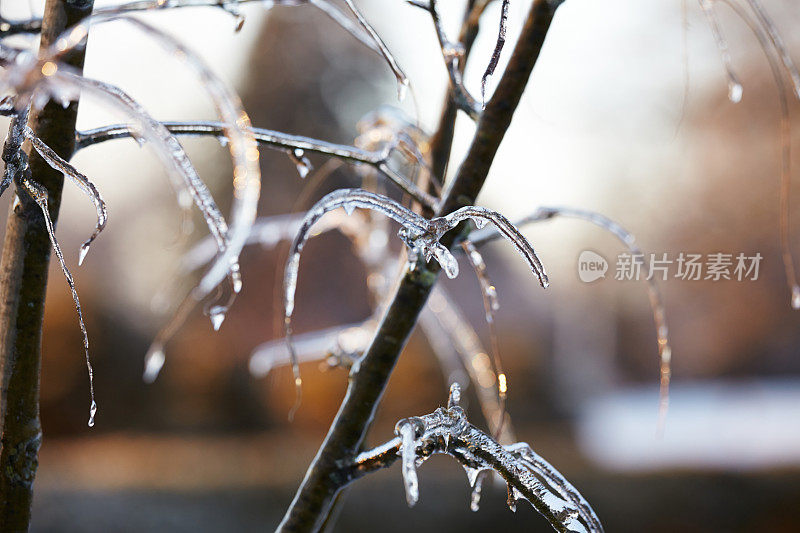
(23, 283)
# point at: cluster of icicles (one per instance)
(527, 475)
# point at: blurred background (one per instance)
(627, 113)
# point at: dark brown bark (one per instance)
(23, 281)
(368, 379)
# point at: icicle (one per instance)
(475, 495)
(490, 306)
(39, 195)
(454, 398)
(217, 315)
(498, 48)
(153, 362)
(407, 431)
(734, 87)
(300, 161)
(92, 413)
(83, 183)
(529, 478)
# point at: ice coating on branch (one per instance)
(734, 86)
(488, 290)
(498, 48)
(653, 292)
(464, 340)
(419, 234)
(337, 347)
(83, 183)
(184, 177)
(529, 477)
(453, 53)
(241, 142)
(345, 198)
(40, 196)
(507, 230)
(402, 79)
(772, 46)
(777, 42)
(490, 306)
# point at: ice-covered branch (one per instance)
(241, 143)
(474, 358)
(498, 48)
(447, 431)
(402, 80)
(368, 379)
(420, 235)
(734, 86)
(361, 31)
(481, 216)
(654, 294)
(766, 34)
(39, 195)
(453, 54)
(274, 139)
(83, 183)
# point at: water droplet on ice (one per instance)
(735, 91)
(402, 90)
(82, 253)
(153, 362)
(480, 223)
(185, 199)
(796, 297)
(92, 412)
(301, 162)
(217, 315)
